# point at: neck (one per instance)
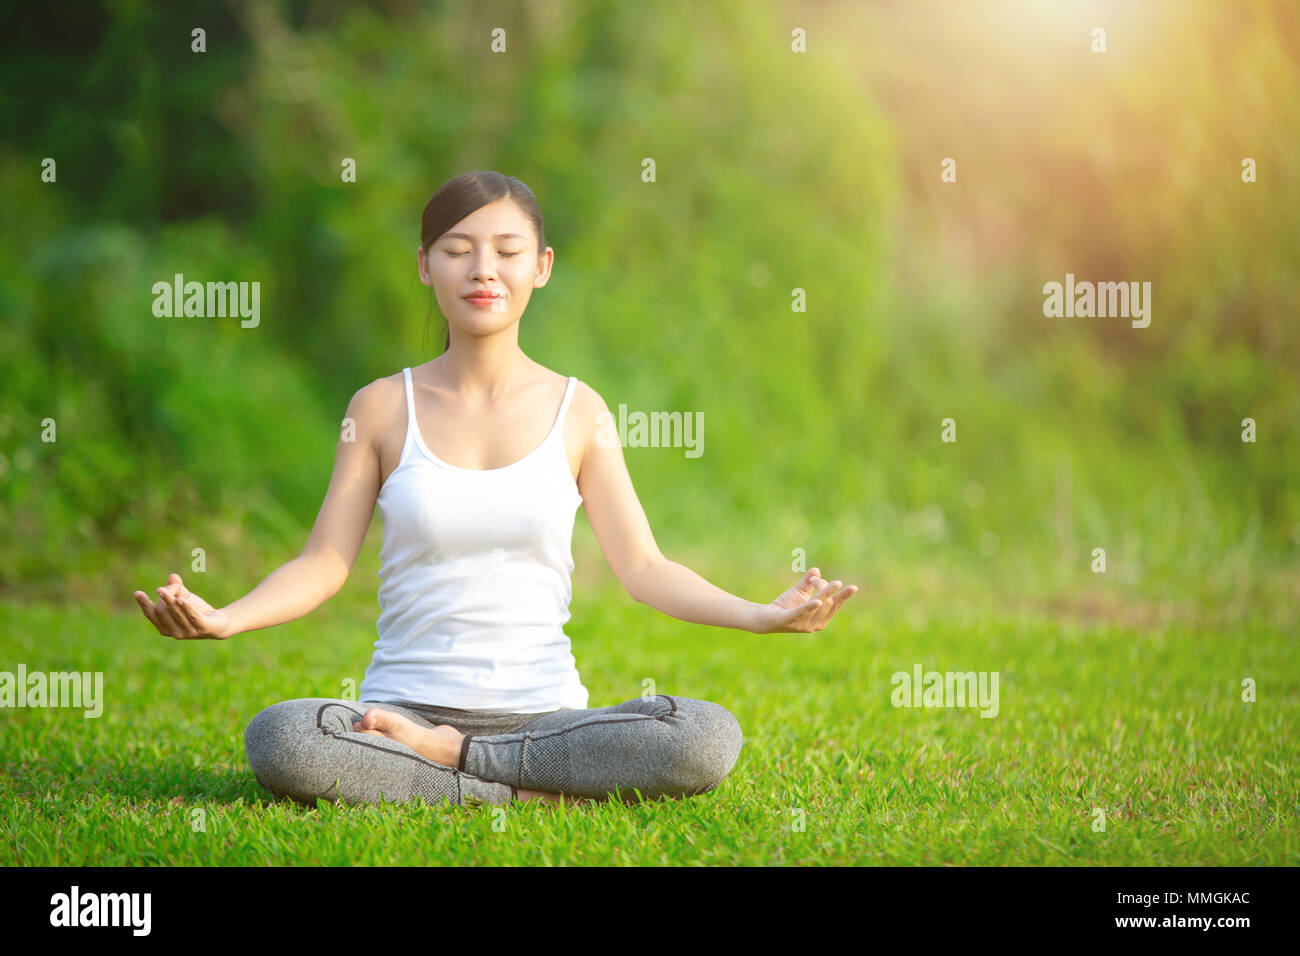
(482, 368)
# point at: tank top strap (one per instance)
(564, 405)
(410, 417)
(556, 437)
(410, 399)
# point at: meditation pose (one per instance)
(478, 461)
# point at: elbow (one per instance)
(331, 575)
(336, 583)
(634, 581)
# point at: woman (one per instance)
(472, 695)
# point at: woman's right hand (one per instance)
(182, 614)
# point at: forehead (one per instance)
(501, 219)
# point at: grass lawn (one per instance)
(1142, 720)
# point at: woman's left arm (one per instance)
(623, 533)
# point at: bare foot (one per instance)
(441, 744)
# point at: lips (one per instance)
(482, 296)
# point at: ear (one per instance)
(544, 263)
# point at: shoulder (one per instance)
(589, 409)
(376, 402)
(584, 402)
(587, 401)
(380, 391)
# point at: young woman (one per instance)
(472, 695)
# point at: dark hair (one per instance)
(459, 197)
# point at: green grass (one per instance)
(1144, 721)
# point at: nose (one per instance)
(483, 269)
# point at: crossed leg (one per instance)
(441, 743)
(653, 747)
(644, 748)
(307, 748)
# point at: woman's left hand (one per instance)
(804, 608)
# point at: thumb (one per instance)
(801, 609)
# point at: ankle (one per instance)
(457, 748)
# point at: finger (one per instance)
(146, 605)
(835, 602)
(189, 613)
(181, 616)
(827, 588)
(806, 584)
(167, 627)
(828, 607)
(799, 610)
(798, 616)
(840, 597)
(808, 621)
(835, 587)
(164, 611)
(167, 622)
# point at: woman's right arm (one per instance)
(314, 576)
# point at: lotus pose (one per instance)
(478, 461)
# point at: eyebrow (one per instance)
(499, 235)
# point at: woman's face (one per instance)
(493, 250)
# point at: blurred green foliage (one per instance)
(776, 171)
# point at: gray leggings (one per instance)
(657, 746)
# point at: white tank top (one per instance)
(475, 576)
